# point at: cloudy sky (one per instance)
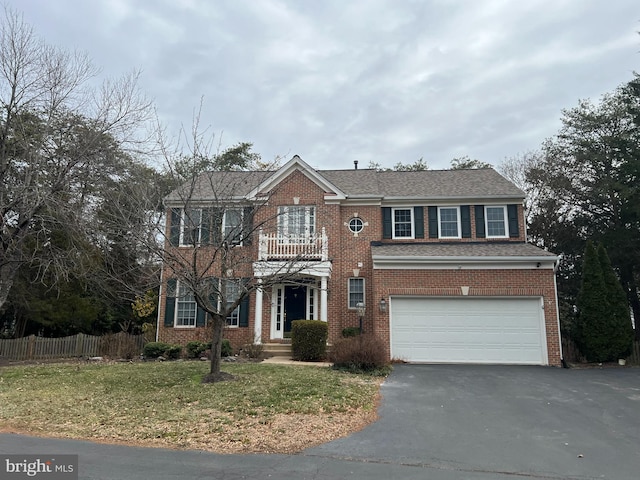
(371, 80)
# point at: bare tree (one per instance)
(55, 133)
(211, 233)
(516, 169)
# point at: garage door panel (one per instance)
(471, 330)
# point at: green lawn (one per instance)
(164, 403)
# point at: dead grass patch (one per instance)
(268, 409)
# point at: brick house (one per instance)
(435, 263)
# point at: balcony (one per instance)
(298, 247)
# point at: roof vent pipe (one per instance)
(355, 164)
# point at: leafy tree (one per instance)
(417, 166)
(586, 186)
(619, 316)
(466, 163)
(603, 322)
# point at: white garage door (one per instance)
(468, 330)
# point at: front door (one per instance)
(295, 305)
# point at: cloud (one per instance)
(373, 80)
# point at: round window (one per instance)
(356, 225)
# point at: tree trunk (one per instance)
(7, 274)
(631, 289)
(215, 375)
(216, 345)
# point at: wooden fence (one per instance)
(572, 354)
(118, 345)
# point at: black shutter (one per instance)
(386, 223)
(201, 317)
(216, 225)
(433, 222)
(465, 219)
(512, 213)
(170, 302)
(243, 321)
(418, 217)
(205, 226)
(480, 221)
(247, 225)
(174, 227)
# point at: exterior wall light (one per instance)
(383, 305)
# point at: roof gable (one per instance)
(296, 164)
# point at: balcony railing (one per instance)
(293, 247)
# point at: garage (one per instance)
(468, 330)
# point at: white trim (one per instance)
(312, 269)
(364, 291)
(296, 163)
(459, 223)
(411, 223)
(177, 302)
(381, 262)
(505, 221)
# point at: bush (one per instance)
(309, 340)
(156, 349)
(360, 354)
(226, 349)
(350, 332)
(253, 350)
(195, 349)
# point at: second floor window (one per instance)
(209, 226)
(297, 224)
(232, 226)
(449, 222)
(496, 224)
(402, 223)
(191, 226)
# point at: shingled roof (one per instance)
(364, 183)
(486, 250)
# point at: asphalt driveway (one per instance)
(440, 422)
(532, 421)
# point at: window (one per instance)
(449, 222)
(356, 291)
(191, 223)
(232, 226)
(402, 222)
(356, 225)
(186, 307)
(495, 218)
(232, 292)
(297, 224)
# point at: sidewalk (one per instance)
(288, 361)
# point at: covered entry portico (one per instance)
(302, 295)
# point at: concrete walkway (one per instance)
(289, 361)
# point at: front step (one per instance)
(277, 350)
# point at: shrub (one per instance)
(195, 349)
(253, 350)
(604, 331)
(226, 349)
(309, 340)
(156, 349)
(360, 354)
(350, 332)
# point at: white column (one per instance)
(257, 326)
(323, 299)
